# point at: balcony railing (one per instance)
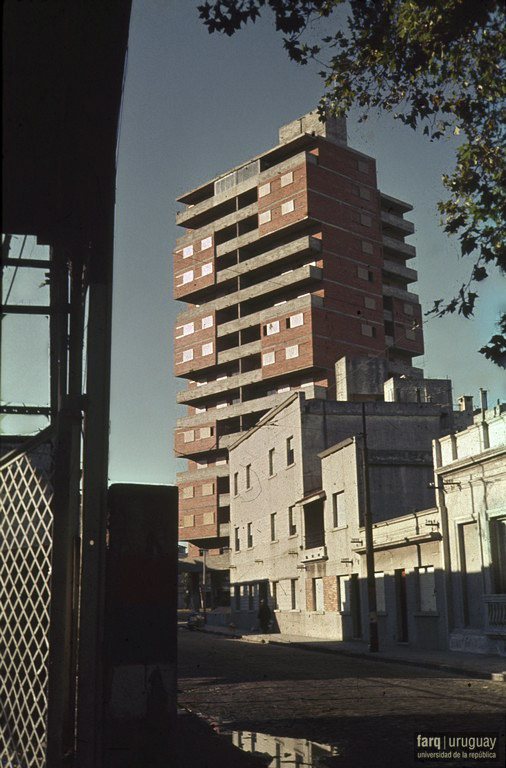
(495, 614)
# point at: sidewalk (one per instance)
(470, 664)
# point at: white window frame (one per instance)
(268, 358)
(272, 328)
(292, 352)
(287, 207)
(295, 320)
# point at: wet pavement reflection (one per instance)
(281, 751)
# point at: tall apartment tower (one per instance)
(290, 262)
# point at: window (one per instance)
(365, 193)
(318, 594)
(295, 320)
(187, 277)
(248, 475)
(187, 355)
(410, 334)
(367, 247)
(369, 303)
(207, 489)
(189, 437)
(368, 330)
(251, 597)
(271, 328)
(426, 578)
(208, 518)
(290, 456)
(292, 527)
(264, 217)
(363, 167)
(264, 189)
(379, 578)
(344, 594)
(237, 542)
(250, 535)
(185, 330)
(287, 207)
(268, 358)
(365, 220)
(188, 251)
(292, 351)
(207, 322)
(207, 349)
(206, 243)
(236, 483)
(188, 492)
(207, 269)
(273, 526)
(364, 274)
(287, 178)
(338, 510)
(271, 462)
(205, 432)
(275, 595)
(293, 593)
(408, 309)
(188, 521)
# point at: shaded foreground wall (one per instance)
(141, 625)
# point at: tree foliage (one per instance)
(437, 66)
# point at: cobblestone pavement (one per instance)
(369, 711)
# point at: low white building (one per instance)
(470, 471)
(297, 516)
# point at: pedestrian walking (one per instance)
(264, 616)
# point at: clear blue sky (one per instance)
(194, 105)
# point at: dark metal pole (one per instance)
(369, 545)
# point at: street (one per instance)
(361, 713)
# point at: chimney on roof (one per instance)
(333, 129)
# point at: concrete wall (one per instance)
(471, 482)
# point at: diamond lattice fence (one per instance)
(25, 591)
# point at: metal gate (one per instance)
(26, 543)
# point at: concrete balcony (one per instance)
(259, 405)
(397, 246)
(396, 224)
(205, 473)
(399, 293)
(297, 247)
(399, 270)
(194, 216)
(235, 353)
(220, 387)
(266, 315)
(316, 553)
